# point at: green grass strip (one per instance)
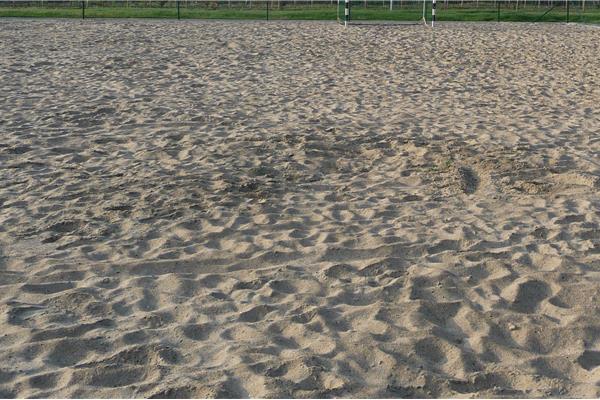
(532, 14)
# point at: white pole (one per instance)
(432, 12)
(391, 4)
(346, 12)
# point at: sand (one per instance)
(253, 209)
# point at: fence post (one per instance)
(267, 10)
(432, 13)
(568, 11)
(498, 13)
(82, 9)
(178, 15)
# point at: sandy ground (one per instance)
(293, 209)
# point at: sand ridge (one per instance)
(223, 209)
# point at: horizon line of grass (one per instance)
(324, 13)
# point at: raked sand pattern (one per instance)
(228, 209)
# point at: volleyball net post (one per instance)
(346, 12)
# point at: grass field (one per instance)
(530, 14)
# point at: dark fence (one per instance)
(400, 10)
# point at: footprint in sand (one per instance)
(525, 295)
